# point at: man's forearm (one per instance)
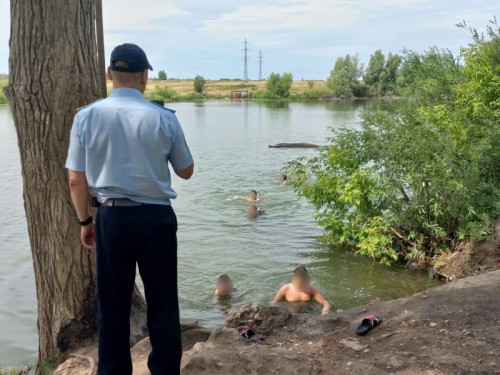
(79, 194)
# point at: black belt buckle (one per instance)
(94, 202)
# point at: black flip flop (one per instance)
(250, 334)
(371, 321)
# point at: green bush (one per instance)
(191, 96)
(162, 75)
(162, 93)
(199, 84)
(279, 85)
(344, 75)
(317, 93)
(262, 95)
(423, 173)
(360, 90)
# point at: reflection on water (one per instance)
(230, 142)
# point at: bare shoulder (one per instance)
(312, 290)
(285, 287)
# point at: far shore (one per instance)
(181, 90)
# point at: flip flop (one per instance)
(250, 334)
(371, 321)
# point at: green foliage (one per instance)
(375, 68)
(310, 84)
(3, 83)
(380, 74)
(388, 78)
(162, 75)
(345, 75)
(199, 84)
(163, 93)
(315, 93)
(423, 173)
(53, 360)
(279, 85)
(9, 371)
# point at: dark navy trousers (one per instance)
(144, 235)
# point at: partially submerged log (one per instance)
(294, 145)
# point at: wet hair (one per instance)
(283, 176)
(301, 271)
(223, 278)
(253, 191)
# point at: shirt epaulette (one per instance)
(161, 106)
(89, 105)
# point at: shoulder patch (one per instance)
(89, 105)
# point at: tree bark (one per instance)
(53, 70)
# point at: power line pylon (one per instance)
(260, 65)
(246, 50)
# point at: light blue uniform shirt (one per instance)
(124, 144)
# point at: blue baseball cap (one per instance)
(131, 54)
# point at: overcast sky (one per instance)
(304, 37)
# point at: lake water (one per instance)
(229, 141)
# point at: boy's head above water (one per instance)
(253, 195)
(300, 278)
(224, 286)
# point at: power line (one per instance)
(246, 50)
(260, 65)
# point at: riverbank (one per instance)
(178, 90)
(450, 329)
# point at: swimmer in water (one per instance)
(253, 212)
(252, 197)
(224, 286)
(282, 178)
(300, 290)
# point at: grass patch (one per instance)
(176, 90)
(9, 371)
(4, 81)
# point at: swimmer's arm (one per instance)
(280, 295)
(321, 300)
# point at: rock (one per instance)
(224, 336)
(140, 353)
(353, 344)
(395, 363)
(77, 365)
(262, 319)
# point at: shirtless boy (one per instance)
(300, 289)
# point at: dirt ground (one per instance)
(451, 329)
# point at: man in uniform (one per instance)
(119, 152)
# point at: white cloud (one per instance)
(281, 15)
(276, 15)
(131, 14)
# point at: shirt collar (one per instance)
(126, 92)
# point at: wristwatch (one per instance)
(85, 222)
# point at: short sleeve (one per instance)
(180, 155)
(76, 152)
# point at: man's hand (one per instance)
(88, 236)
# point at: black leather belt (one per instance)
(114, 202)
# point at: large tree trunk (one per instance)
(53, 70)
